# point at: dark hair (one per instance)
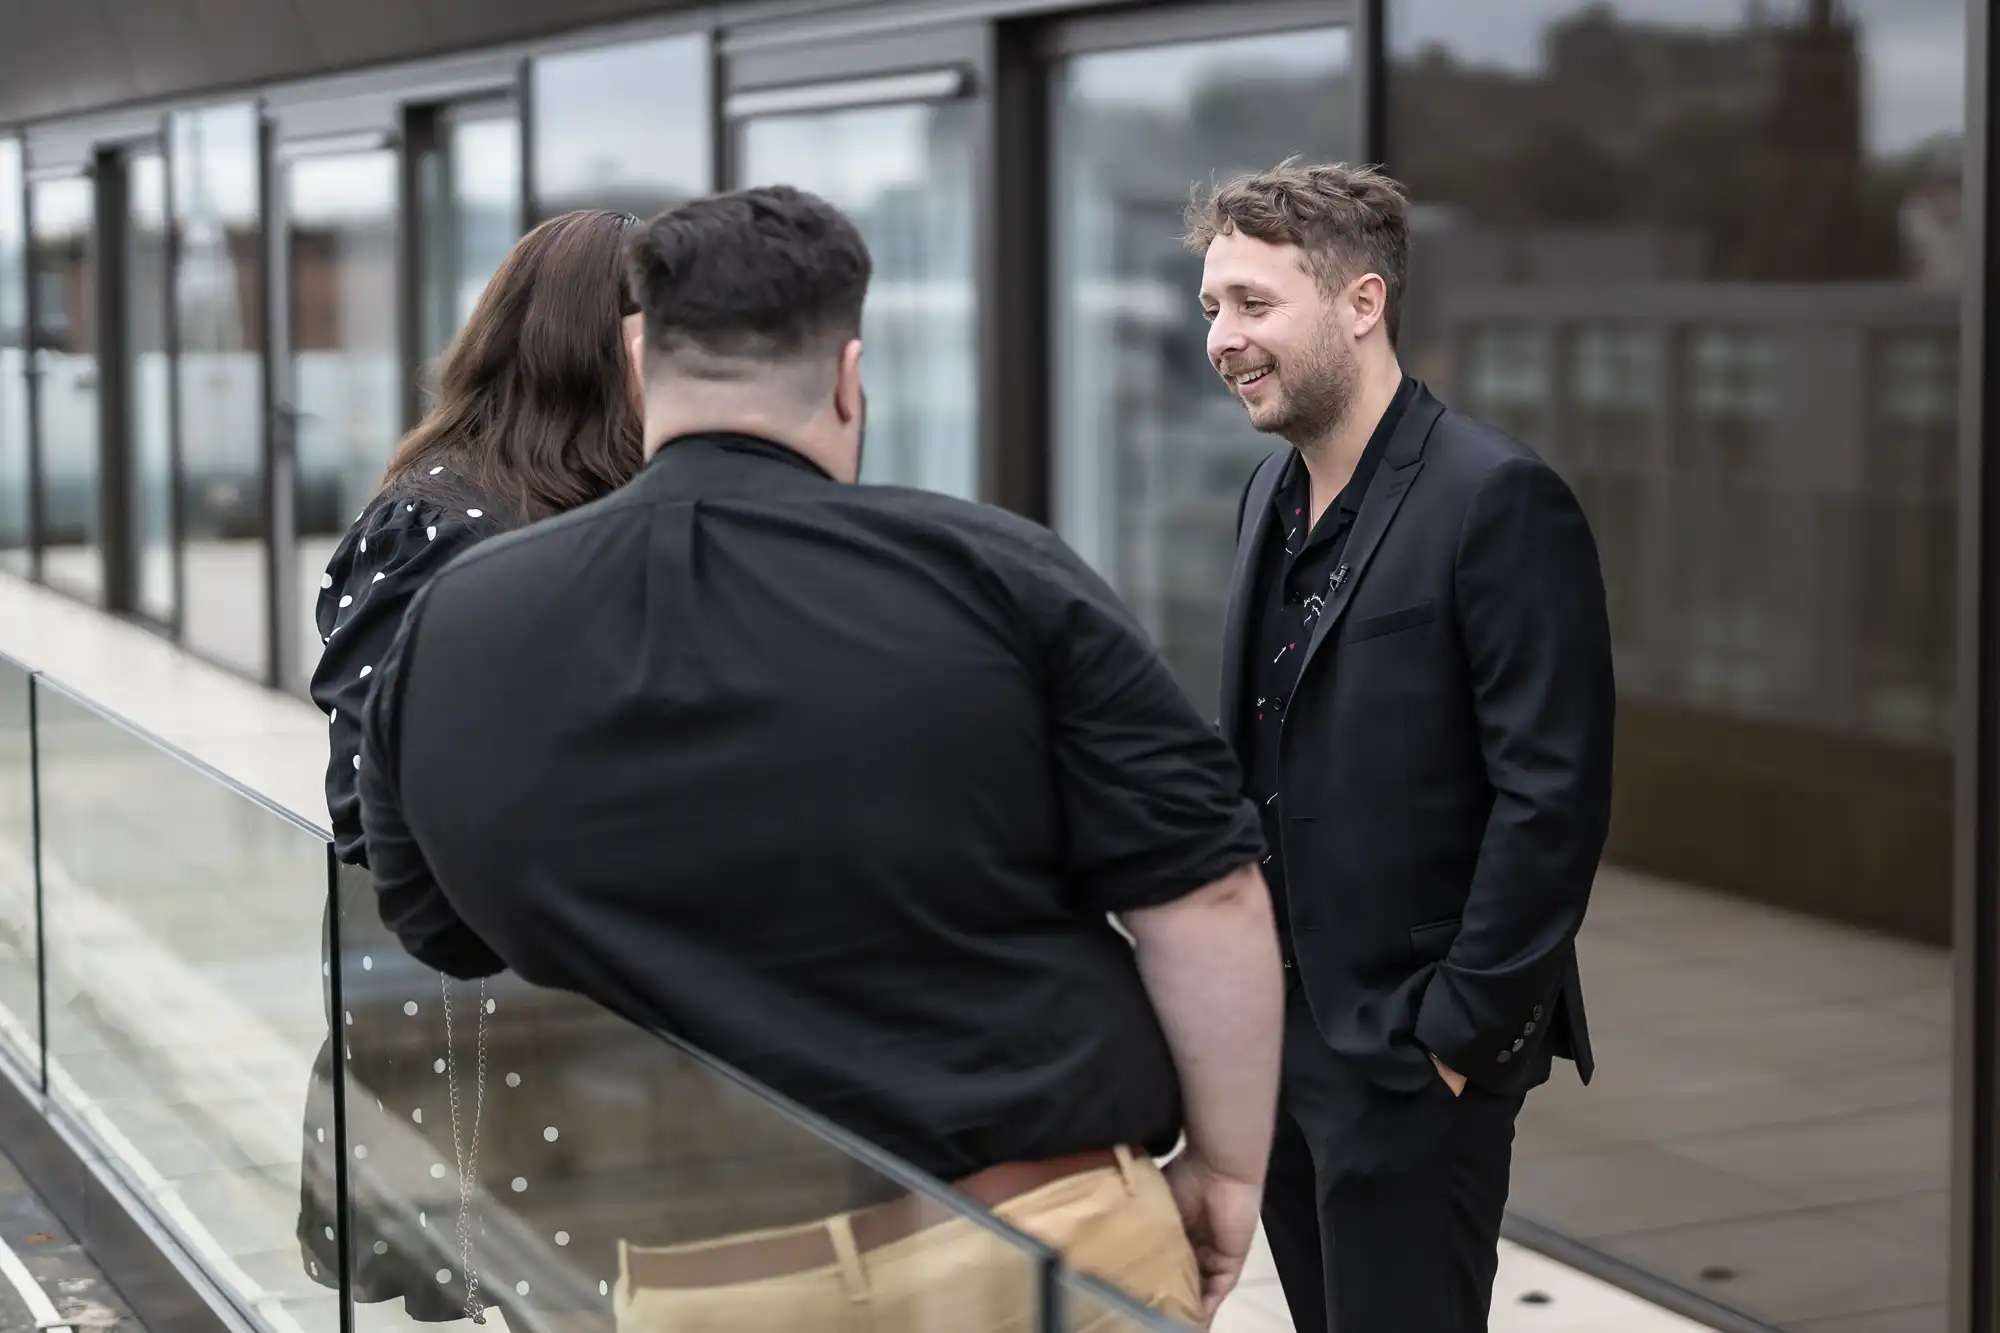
(1347, 220)
(760, 275)
(534, 398)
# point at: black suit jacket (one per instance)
(1445, 764)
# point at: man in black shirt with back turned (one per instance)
(844, 784)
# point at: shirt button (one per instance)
(1504, 1056)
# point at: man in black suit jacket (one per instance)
(1417, 676)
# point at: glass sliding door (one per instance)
(15, 474)
(148, 426)
(343, 407)
(1150, 452)
(63, 268)
(218, 305)
(905, 173)
(469, 188)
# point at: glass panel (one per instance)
(183, 923)
(1150, 455)
(20, 1002)
(603, 1167)
(219, 322)
(1707, 260)
(63, 265)
(905, 175)
(471, 195)
(14, 474)
(622, 127)
(148, 432)
(1090, 1306)
(341, 248)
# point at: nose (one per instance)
(1223, 338)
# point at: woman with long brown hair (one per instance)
(537, 412)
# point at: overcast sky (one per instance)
(1913, 51)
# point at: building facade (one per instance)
(1725, 264)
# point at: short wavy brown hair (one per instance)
(1347, 220)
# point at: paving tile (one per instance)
(1838, 1159)
(1910, 1319)
(1636, 1187)
(1817, 1040)
(1787, 1267)
(1920, 1221)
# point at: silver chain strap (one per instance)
(467, 1161)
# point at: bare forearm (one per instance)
(1210, 964)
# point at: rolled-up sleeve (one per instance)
(412, 904)
(1152, 800)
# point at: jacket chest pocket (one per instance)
(1392, 622)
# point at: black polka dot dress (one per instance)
(413, 1144)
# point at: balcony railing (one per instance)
(335, 1138)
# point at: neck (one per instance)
(813, 445)
(1331, 459)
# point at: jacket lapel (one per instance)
(1243, 589)
(1401, 463)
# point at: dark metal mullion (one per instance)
(1014, 274)
(422, 134)
(1369, 59)
(1975, 1221)
(724, 160)
(170, 265)
(111, 198)
(31, 368)
(524, 111)
(275, 344)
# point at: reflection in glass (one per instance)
(905, 175)
(622, 127)
(1090, 1306)
(182, 925)
(15, 556)
(472, 217)
(148, 431)
(605, 1158)
(1732, 233)
(63, 267)
(341, 251)
(1151, 454)
(20, 1005)
(219, 325)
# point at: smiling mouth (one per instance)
(1253, 377)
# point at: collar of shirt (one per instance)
(1295, 490)
(711, 443)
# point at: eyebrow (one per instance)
(1237, 287)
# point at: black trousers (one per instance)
(1405, 1241)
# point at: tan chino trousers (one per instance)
(1118, 1224)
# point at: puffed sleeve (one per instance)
(390, 553)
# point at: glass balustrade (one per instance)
(341, 1138)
